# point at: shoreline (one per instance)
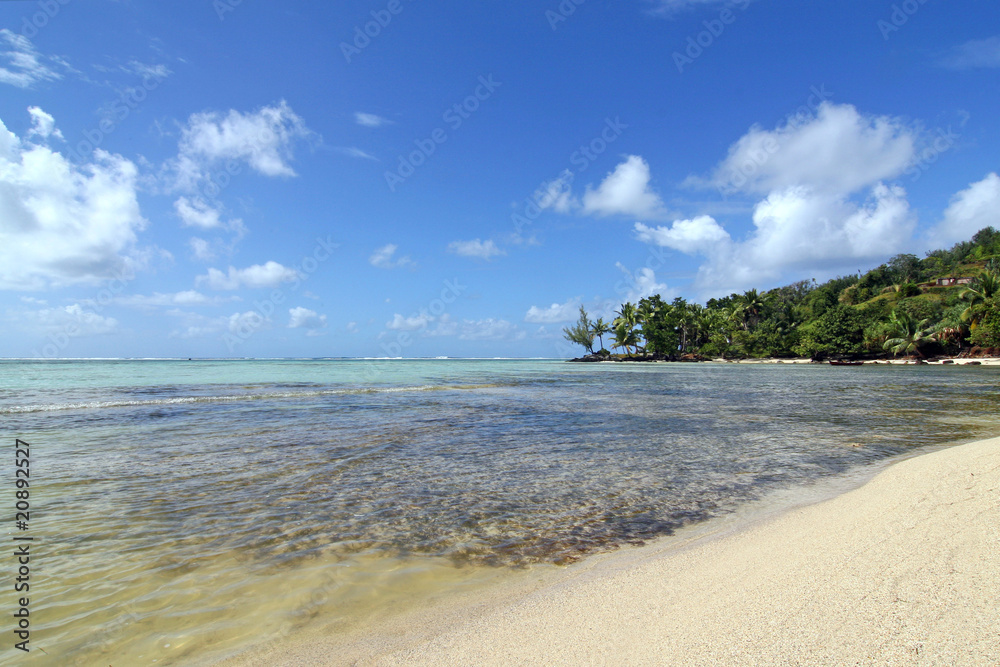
(895, 566)
(939, 361)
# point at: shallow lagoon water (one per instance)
(187, 509)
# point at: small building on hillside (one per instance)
(949, 282)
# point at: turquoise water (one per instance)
(187, 509)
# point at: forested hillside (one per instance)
(946, 303)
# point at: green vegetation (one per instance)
(907, 306)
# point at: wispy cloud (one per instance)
(975, 53)
(351, 151)
(22, 65)
(370, 119)
(384, 258)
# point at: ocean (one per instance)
(182, 511)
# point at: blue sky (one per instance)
(406, 178)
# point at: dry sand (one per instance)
(903, 570)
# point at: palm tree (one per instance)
(907, 335)
(749, 307)
(625, 325)
(982, 289)
(599, 328)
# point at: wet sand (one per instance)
(903, 570)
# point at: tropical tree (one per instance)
(985, 287)
(625, 327)
(600, 328)
(581, 333)
(906, 335)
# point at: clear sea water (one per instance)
(185, 510)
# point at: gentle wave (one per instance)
(183, 400)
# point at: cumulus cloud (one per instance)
(303, 318)
(270, 274)
(796, 229)
(972, 209)
(625, 191)
(489, 329)
(63, 224)
(73, 321)
(383, 258)
(21, 64)
(839, 151)
(975, 53)
(197, 213)
(641, 283)
(696, 236)
(370, 119)
(43, 125)
(475, 248)
(557, 312)
(414, 322)
(244, 324)
(263, 139)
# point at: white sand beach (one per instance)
(904, 570)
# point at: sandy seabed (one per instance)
(904, 570)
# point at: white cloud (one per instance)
(22, 65)
(303, 318)
(557, 194)
(796, 230)
(370, 119)
(475, 248)
(625, 191)
(63, 224)
(696, 236)
(197, 213)
(73, 321)
(263, 139)
(975, 53)
(840, 151)
(414, 322)
(671, 7)
(43, 124)
(158, 72)
(270, 274)
(383, 258)
(557, 312)
(241, 324)
(351, 151)
(202, 249)
(352, 328)
(490, 329)
(972, 209)
(158, 299)
(642, 283)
